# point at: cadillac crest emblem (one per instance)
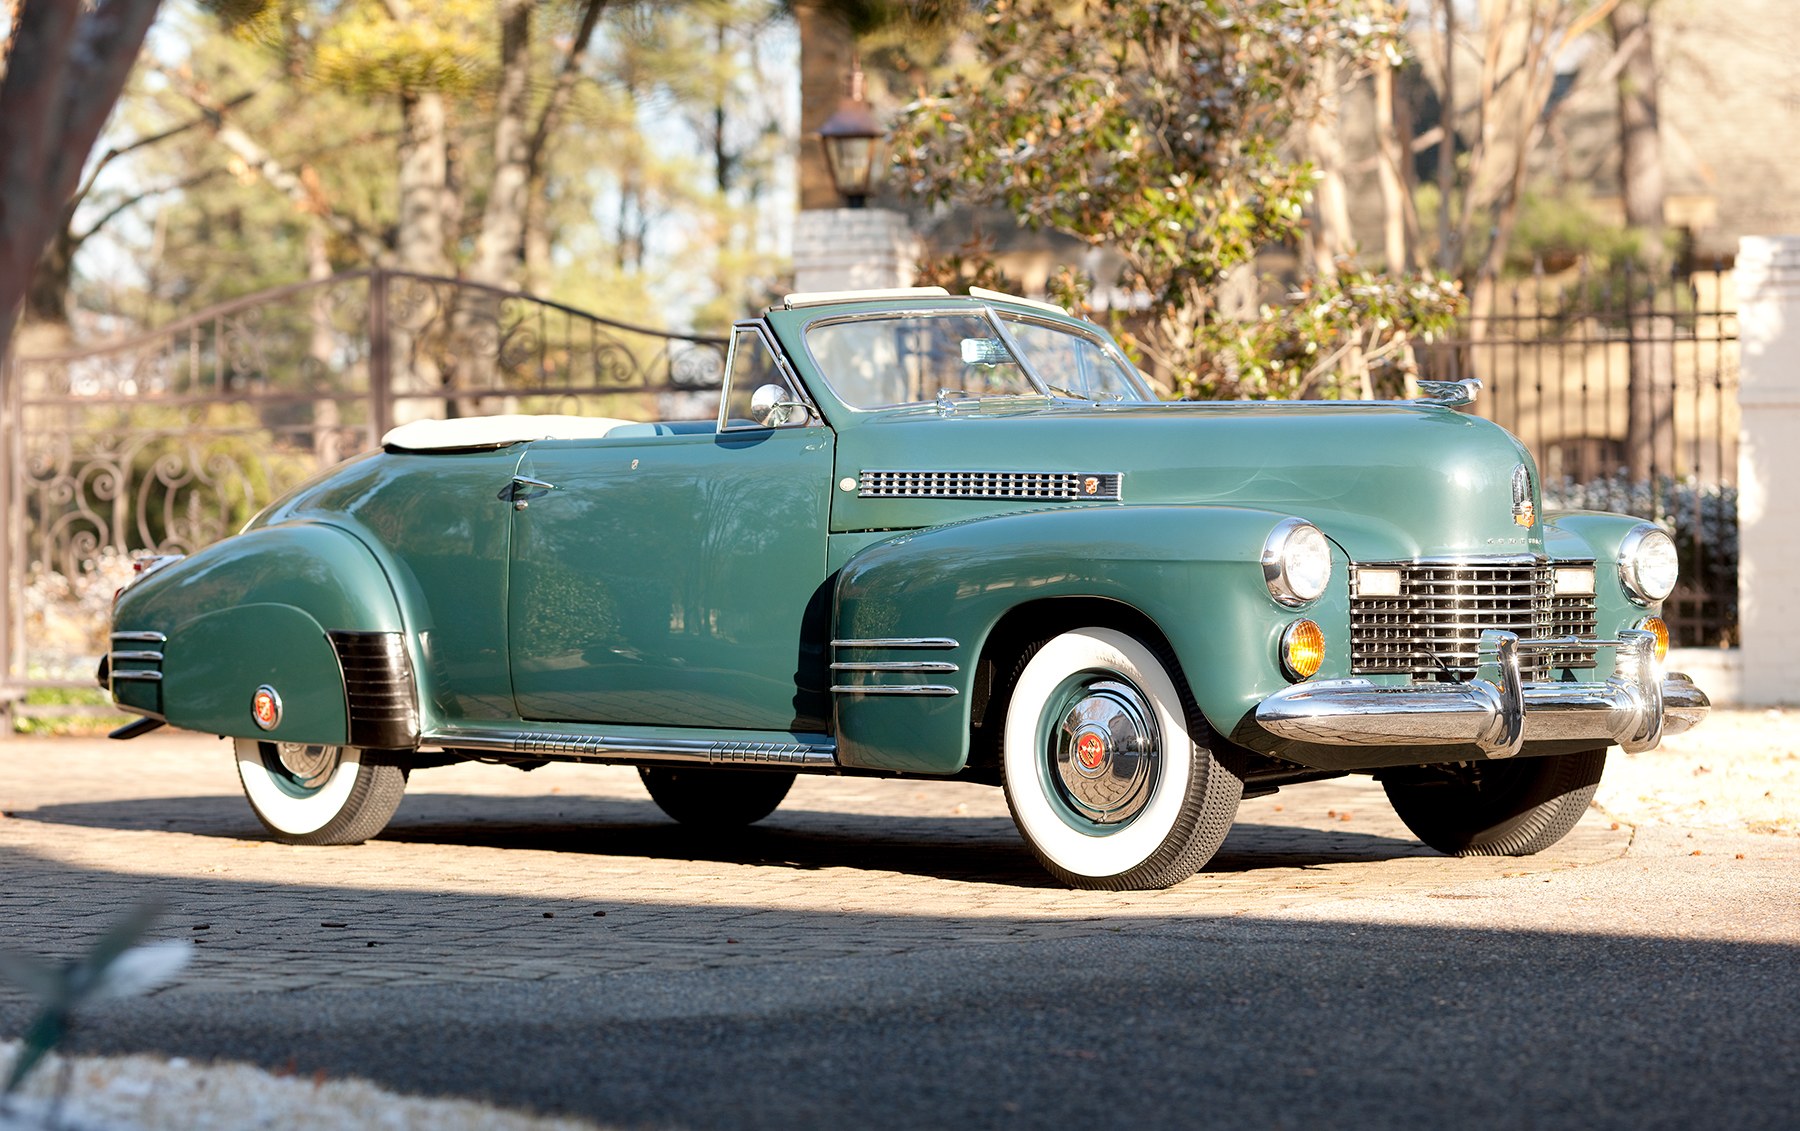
(265, 708)
(1524, 512)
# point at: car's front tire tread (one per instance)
(1513, 808)
(1180, 831)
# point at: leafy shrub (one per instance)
(1704, 519)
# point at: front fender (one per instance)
(279, 606)
(1194, 571)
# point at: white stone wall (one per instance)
(849, 249)
(1768, 278)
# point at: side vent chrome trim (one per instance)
(938, 689)
(896, 667)
(151, 671)
(1069, 486)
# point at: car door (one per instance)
(678, 578)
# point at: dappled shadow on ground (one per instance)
(950, 1014)
(970, 848)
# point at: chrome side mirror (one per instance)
(772, 406)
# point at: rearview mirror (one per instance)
(773, 406)
(984, 351)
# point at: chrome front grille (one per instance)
(1433, 627)
(988, 485)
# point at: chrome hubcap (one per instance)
(1106, 751)
(309, 765)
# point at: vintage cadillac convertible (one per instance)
(934, 537)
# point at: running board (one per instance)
(565, 746)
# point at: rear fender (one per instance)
(1194, 572)
(290, 608)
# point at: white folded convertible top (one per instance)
(495, 431)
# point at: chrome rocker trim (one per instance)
(1496, 711)
(609, 748)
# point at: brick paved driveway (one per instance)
(492, 875)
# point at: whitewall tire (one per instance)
(1110, 780)
(313, 794)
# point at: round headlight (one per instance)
(1647, 564)
(1296, 562)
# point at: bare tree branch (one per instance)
(565, 83)
(299, 188)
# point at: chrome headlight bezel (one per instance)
(1296, 562)
(1648, 566)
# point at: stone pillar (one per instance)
(1768, 284)
(853, 249)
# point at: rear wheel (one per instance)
(306, 793)
(1110, 779)
(1511, 808)
(716, 799)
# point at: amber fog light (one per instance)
(1661, 628)
(1302, 650)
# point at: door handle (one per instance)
(521, 487)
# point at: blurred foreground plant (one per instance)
(117, 967)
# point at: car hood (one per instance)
(1370, 475)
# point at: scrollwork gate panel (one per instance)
(168, 441)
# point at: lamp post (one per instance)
(850, 138)
(852, 246)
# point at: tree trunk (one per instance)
(1448, 252)
(476, 330)
(424, 172)
(416, 330)
(1650, 427)
(68, 64)
(499, 248)
(1390, 173)
(321, 354)
(47, 297)
(825, 48)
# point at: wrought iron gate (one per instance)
(168, 441)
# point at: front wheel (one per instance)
(1110, 780)
(305, 793)
(1512, 808)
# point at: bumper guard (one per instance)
(1497, 710)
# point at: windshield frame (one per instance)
(1041, 389)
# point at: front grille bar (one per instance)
(1433, 627)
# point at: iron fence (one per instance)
(169, 440)
(1624, 385)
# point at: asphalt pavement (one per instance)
(886, 954)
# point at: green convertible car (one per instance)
(932, 536)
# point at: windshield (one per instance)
(910, 357)
(1073, 364)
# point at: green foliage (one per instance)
(1158, 130)
(971, 265)
(88, 714)
(1702, 516)
(1293, 349)
(451, 50)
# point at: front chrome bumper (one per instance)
(1497, 711)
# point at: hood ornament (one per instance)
(1451, 394)
(1524, 512)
